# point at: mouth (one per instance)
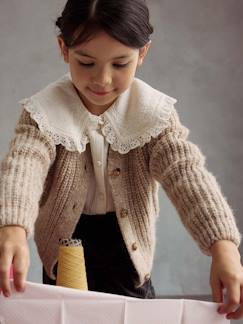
(100, 93)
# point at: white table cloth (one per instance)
(45, 304)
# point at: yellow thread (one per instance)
(71, 270)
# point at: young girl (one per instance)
(89, 153)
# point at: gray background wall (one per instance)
(196, 57)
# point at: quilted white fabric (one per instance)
(45, 304)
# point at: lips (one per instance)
(100, 92)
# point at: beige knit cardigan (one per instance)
(43, 188)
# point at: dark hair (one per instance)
(125, 20)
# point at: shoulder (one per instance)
(150, 96)
(56, 111)
(161, 112)
(51, 93)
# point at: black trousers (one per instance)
(108, 265)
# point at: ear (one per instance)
(143, 52)
(63, 48)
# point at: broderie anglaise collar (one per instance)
(139, 113)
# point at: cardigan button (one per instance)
(124, 213)
(116, 172)
(147, 277)
(134, 246)
(74, 206)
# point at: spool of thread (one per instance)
(71, 270)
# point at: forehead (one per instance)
(103, 46)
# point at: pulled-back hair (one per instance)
(125, 20)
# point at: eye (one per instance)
(118, 66)
(87, 65)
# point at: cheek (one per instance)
(127, 78)
(81, 76)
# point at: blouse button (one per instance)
(99, 163)
(134, 246)
(116, 172)
(147, 277)
(124, 213)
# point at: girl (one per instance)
(89, 154)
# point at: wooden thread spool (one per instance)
(71, 270)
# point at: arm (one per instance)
(23, 172)
(22, 175)
(179, 166)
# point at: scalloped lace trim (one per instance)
(107, 130)
(64, 140)
(141, 140)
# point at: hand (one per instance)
(227, 273)
(13, 249)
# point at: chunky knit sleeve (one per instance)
(179, 166)
(22, 174)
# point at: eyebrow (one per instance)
(79, 52)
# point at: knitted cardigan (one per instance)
(43, 188)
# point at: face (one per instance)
(101, 69)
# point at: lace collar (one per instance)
(138, 114)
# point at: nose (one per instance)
(103, 78)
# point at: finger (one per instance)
(239, 312)
(233, 300)
(5, 264)
(20, 270)
(11, 272)
(217, 291)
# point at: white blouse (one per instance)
(130, 122)
(99, 198)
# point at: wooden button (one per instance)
(124, 213)
(134, 246)
(74, 206)
(116, 172)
